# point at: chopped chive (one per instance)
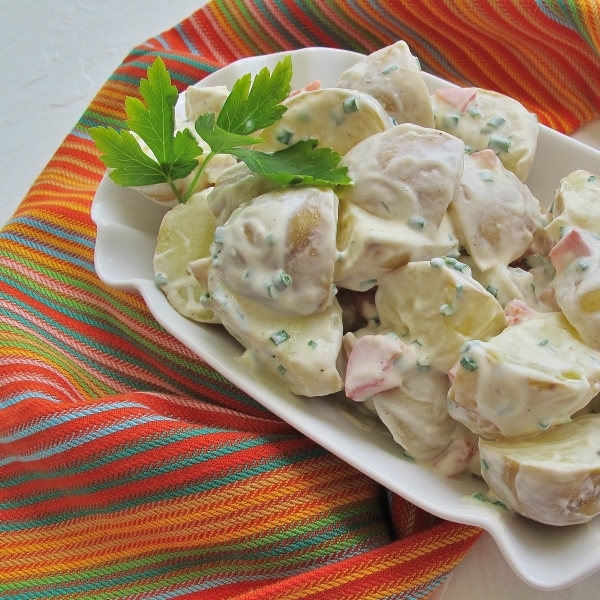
(532, 284)
(484, 465)
(423, 365)
(281, 281)
(474, 112)
(410, 456)
(247, 274)
(455, 255)
(464, 348)
(160, 279)
(394, 122)
(562, 231)
(543, 342)
(215, 262)
(390, 68)
(447, 309)
(468, 149)
(470, 364)
(368, 282)
(450, 121)
(376, 321)
(460, 291)
(551, 209)
(449, 260)
(492, 290)
(479, 496)
(405, 334)
(312, 344)
(460, 266)
(218, 239)
(496, 121)
(486, 175)
(270, 239)
(592, 178)
(285, 137)
(437, 262)
(416, 343)
(544, 425)
(500, 143)
(582, 265)
(416, 222)
(279, 337)
(349, 105)
(281, 369)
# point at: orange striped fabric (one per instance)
(131, 469)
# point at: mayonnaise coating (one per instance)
(392, 75)
(406, 174)
(552, 477)
(577, 204)
(298, 351)
(280, 250)
(496, 215)
(339, 119)
(235, 186)
(577, 283)
(532, 376)
(486, 119)
(370, 247)
(441, 305)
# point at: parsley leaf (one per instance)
(247, 110)
(174, 155)
(220, 140)
(300, 164)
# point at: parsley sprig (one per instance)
(250, 107)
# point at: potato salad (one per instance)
(434, 290)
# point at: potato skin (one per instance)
(552, 477)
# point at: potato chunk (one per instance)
(552, 477)
(532, 376)
(280, 250)
(441, 305)
(392, 75)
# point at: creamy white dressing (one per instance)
(486, 119)
(427, 350)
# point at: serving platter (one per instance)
(127, 226)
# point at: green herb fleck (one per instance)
(281, 281)
(484, 465)
(285, 137)
(470, 364)
(450, 121)
(496, 121)
(389, 69)
(486, 175)
(279, 337)
(499, 143)
(349, 105)
(281, 369)
(447, 309)
(160, 279)
(543, 342)
(493, 290)
(416, 222)
(312, 344)
(474, 112)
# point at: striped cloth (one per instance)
(128, 467)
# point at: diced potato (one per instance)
(339, 119)
(280, 250)
(298, 351)
(552, 477)
(532, 376)
(371, 247)
(185, 235)
(405, 175)
(486, 119)
(236, 186)
(392, 75)
(577, 282)
(495, 214)
(577, 204)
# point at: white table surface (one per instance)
(54, 56)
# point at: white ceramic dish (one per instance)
(543, 556)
